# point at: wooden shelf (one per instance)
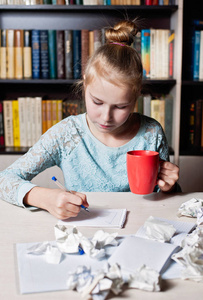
(143, 8)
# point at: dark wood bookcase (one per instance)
(191, 90)
(79, 17)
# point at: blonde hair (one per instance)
(116, 61)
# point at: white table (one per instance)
(18, 225)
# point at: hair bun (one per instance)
(123, 32)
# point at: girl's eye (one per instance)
(97, 103)
(121, 107)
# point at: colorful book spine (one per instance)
(8, 123)
(53, 112)
(60, 54)
(3, 68)
(10, 53)
(35, 54)
(29, 120)
(84, 48)
(38, 118)
(76, 54)
(195, 54)
(18, 53)
(16, 124)
(145, 52)
(171, 40)
(59, 110)
(44, 117)
(2, 141)
(68, 39)
(49, 113)
(27, 55)
(44, 54)
(22, 121)
(52, 54)
(201, 56)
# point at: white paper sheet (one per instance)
(112, 218)
(36, 275)
(135, 252)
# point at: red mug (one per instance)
(142, 171)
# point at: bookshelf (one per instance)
(91, 17)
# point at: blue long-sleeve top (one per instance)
(87, 164)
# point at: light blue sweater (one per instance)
(87, 164)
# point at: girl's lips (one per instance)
(105, 126)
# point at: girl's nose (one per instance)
(107, 114)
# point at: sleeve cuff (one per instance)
(23, 190)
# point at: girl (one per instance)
(91, 148)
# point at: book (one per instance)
(2, 142)
(27, 55)
(44, 117)
(3, 68)
(52, 54)
(48, 113)
(147, 105)
(38, 118)
(29, 123)
(165, 51)
(191, 124)
(22, 121)
(35, 42)
(145, 52)
(76, 54)
(60, 50)
(59, 112)
(8, 122)
(44, 54)
(152, 53)
(91, 43)
(18, 53)
(84, 49)
(33, 120)
(171, 40)
(195, 54)
(201, 56)
(53, 112)
(68, 39)
(16, 124)
(10, 53)
(97, 39)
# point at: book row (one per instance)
(159, 108)
(157, 52)
(196, 124)
(62, 54)
(24, 120)
(46, 54)
(87, 2)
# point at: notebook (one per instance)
(98, 217)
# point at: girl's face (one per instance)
(108, 106)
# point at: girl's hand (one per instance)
(168, 175)
(59, 203)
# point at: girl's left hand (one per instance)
(168, 175)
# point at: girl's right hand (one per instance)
(59, 203)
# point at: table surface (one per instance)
(18, 225)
